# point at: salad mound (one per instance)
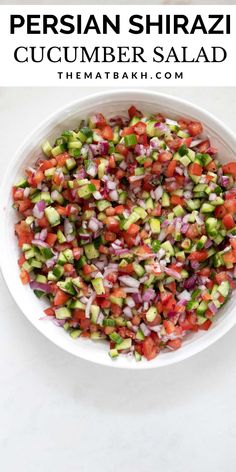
(128, 230)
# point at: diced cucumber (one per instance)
(113, 353)
(103, 204)
(62, 313)
(168, 248)
(94, 310)
(98, 285)
(155, 225)
(52, 216)
(178, 211)
(125, 344)
(139, 270)
(201, 309)
(224, 288)
(165, 201)
(151, 314)
(90, 251)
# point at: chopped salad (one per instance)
(128, 230)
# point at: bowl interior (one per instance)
(109, 104)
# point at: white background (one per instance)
(45, 73)
(59, 413)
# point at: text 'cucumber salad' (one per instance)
(128, 230)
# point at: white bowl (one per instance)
(110, 103)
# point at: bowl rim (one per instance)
(87, 100)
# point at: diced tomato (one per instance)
(96, 183)
(18, 193)
(174, 344)
(169, 326)
(164, 156)
(112, 162)
(206, 325)
(116, 310)
(47, 164)
(51, 239)
(119, 209)
(156, 168)
(24, 233)
(140, 128)
(109, 236)
(133, 229)
(122, 149)
(198, 256)
(211, 167)
(183, 124)
(24, 276)
(98, 120)
(107, 133)
(203, 146)
(143, 139)
(63, 211)
(25, 205)
(127, 269)
(134, 112)
(176, 200)
(220, 211)
(128, 130)
(21, 260)
(119, 292)
(205, 271)
(112, 224)
(84, 324)
(60, 298)
(150, 349)
(221, 277)
(129, 239)
(171, 168)
(61, 158)
(87, 269)
(195, 169)
(147, 163)
(49, 311)
(230, 206)
(228, 221)
(192, 231)
(229, 257)
(230, 168)
(195, 128)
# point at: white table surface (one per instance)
(59, 413)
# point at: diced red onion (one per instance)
(26, 192)
(89, 303)
(185, 295)
(212, 197)
(127, 312)
(149, 295)
(184, 228)
(137, 297)
(212, 307)
(111, 185)
(190, 283)
(114, 195)
(38, 210)
(92, 169)
(146, 331)
(172, 273)
(46, 288)
(39, 243)
(131, 290)
(129, 281)
(130, 302)
(93, 225)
